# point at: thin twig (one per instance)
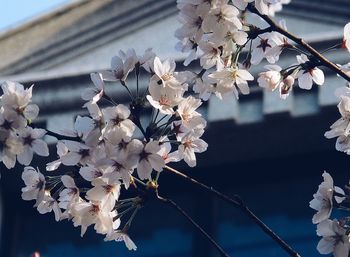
(300, 42)
(238, 202)
(200, 229)
(61, 137)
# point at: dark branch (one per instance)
(198, 227)
(299, 41)
(62, 137)
(238, 202)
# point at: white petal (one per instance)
(68, 181)
(305, 81)
(40, 147)
(71, 159)
(31, 112)
(317, 76)
(26, 156)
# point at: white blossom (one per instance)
(231, 78)
(346, 37)
(94, 94)
(119, 235)
(190, 145)
(35, 185)
(308, 75)
(323, 199)
(335, 238)
(32, 143)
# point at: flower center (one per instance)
(166, 77)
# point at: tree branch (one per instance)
(198, 227)
(61, 137)
(300, 42)
(238, 202)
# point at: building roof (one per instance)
(85, 34)
(67, 41)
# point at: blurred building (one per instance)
(269, 151)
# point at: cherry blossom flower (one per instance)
(270, 79)
(17, 99)
(149, 159)
(267, 7)
(48, 204)
(32, 143)
(222, 16)
(94, 94)
(91, 172)
(280, 43)
(187, 111)
(104, 192)
(165, 72)
(323, 199)
(89, 213)
(211, 55)
(164, 98)
(119, 166)
(204, 86)
(68, 195)
(230, 78)
(117, 117)
(166, 154)
(121, 66)
(346, 38)
(309, 74)
(62, 150)
(77, 153)
(35, 185)
(119, 235)
(261, 46)
(190, 145)
(9, 121)
(341, 128)
(9, 147)
(335, 238)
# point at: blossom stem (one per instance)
(120, 215)
(195, 224)
(331, 48)
(300, 42)
(238, 202)
(139, 181)
(128, 224)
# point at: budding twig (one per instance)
(238, 202)
(299, 41)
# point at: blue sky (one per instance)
(14, 12)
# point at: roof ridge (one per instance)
(91, 34)
(42, 18)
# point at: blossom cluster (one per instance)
(120, 145)
(218, 33)
(341, 127)
(334, 233)
(18, 140)
(109, 148)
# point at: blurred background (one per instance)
(269, 151)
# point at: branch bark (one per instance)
(299, 41)
(238, 202)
